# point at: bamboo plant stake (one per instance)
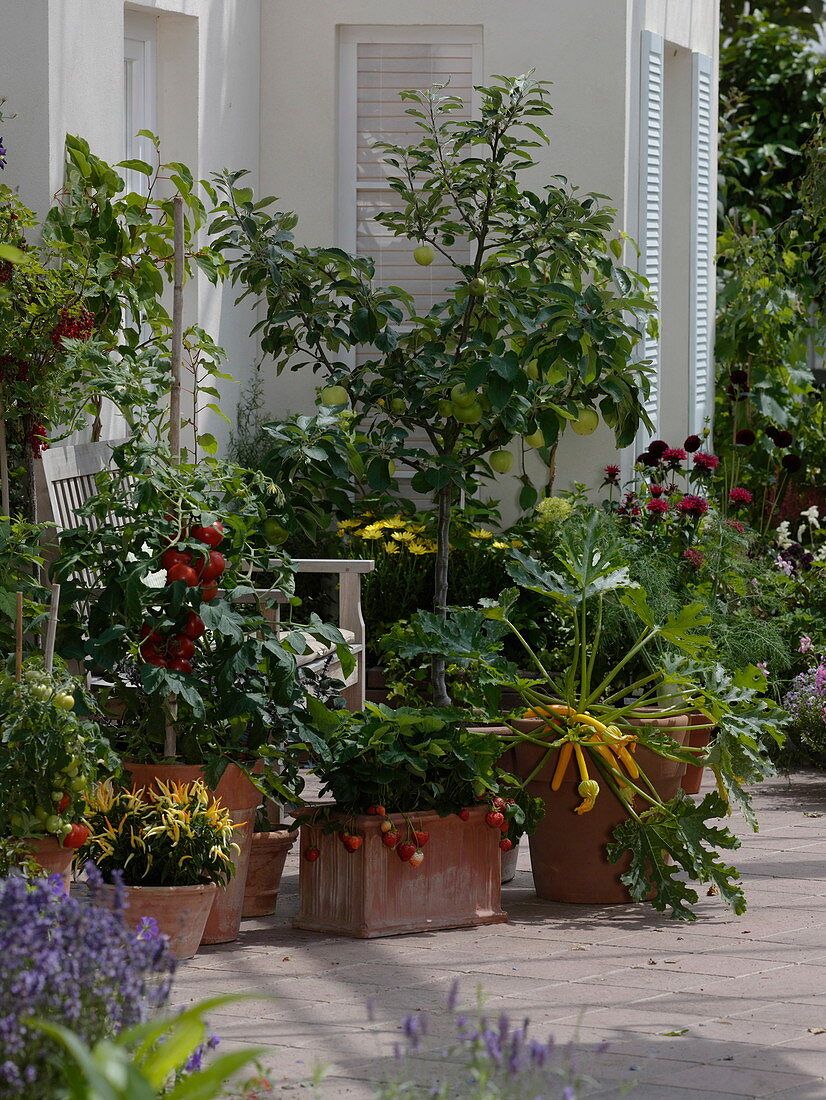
(18, 639)
(170, 740)
(4, 463)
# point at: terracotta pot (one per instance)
(52, 858)
(241, 798)
(699, 736)
(568, 858)
(509, 862)
(267, 857)
(181, 911)
(371, 892)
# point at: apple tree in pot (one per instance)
(537, 332)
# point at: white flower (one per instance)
(811, 515)
(782, 535)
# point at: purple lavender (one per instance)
(2, 154)
(71, 962)
(806, 706)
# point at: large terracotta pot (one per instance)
(267, 858)
(241, 798)
(52, 858)
(699, 736)
(568, 858)
(371, 892)
(180, 911)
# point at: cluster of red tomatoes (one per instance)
(175, 649)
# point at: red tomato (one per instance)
(213, 566)
(212, 536)
(209, 592)
(77, 837)
(64, 803)
(179, 664)
(180, 646)
(193, 625)
(183, 573)
(149, 653)
(175, 557)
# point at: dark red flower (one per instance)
(739, 377)
(740, 496)
(737, 525)
(37, 440)
(782, 437)
(77, 325)
(693, 443)
(657, 507)
(771, 432)
(792, 463)
(656, 490)
(612, 474)
(705, 462)
(745, 437)
(645, 459)
(692, 505)
(6, 270)
(657, 447)
(694, 557)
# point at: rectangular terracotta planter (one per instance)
(371, 892)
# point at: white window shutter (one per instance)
(384, 70)
(649, 224)
(702, 244)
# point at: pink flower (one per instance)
(657, 507)
(612, 474)
(674, 456)
(740, 496)
(694, 557)
(656, 490)
(805, 644)
(692, 505)
(736, 525)
(705, 462)
(764, 667)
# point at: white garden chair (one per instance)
(69, 474)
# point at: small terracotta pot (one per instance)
(371, 892)
(241, 798)
(568, 858)
(52, 858)
(509, 862)
(181, 911)
(699, 736)
(267, 857)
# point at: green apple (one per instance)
(462, 396)
(398, 406)
(334, 395)
(274, 531)
(501, 461)
(424, 255)
(445, 408)
(478, 286)
(586, 422)
(471, 414)
(535, 439)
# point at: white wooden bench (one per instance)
(69, 473)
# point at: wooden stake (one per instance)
(4, 463)
(51, 628)
(18, 639)
(177, 331)
(170, 744)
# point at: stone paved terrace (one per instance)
(744, 998)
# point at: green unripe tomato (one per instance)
(274, 532)
(334, 395)
(535, 439)
(478, 286)
(462, 396)
(586, 422)
(471, 415)
(501, 461)
(57, 796)
(41, 691)
(398, 406)
(52, 823)
(445, 408)
(66, 829)
(40, 813)
(424, 255)
(71, 769)
(78, 783)
(64, 701)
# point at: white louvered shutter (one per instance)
(384, 70)
(702, 244)
(649, 225)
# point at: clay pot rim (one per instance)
(197, 888)
(365, 820)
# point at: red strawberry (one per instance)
(503, 828)
(372, 810)
(380, 810)
(422, 836)
(494, 819)
(390, 839)
(405, 851)
(505, 844)
(464, 814)
(499, 803)
(353, 843)
(311, 854)
(416, 858)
